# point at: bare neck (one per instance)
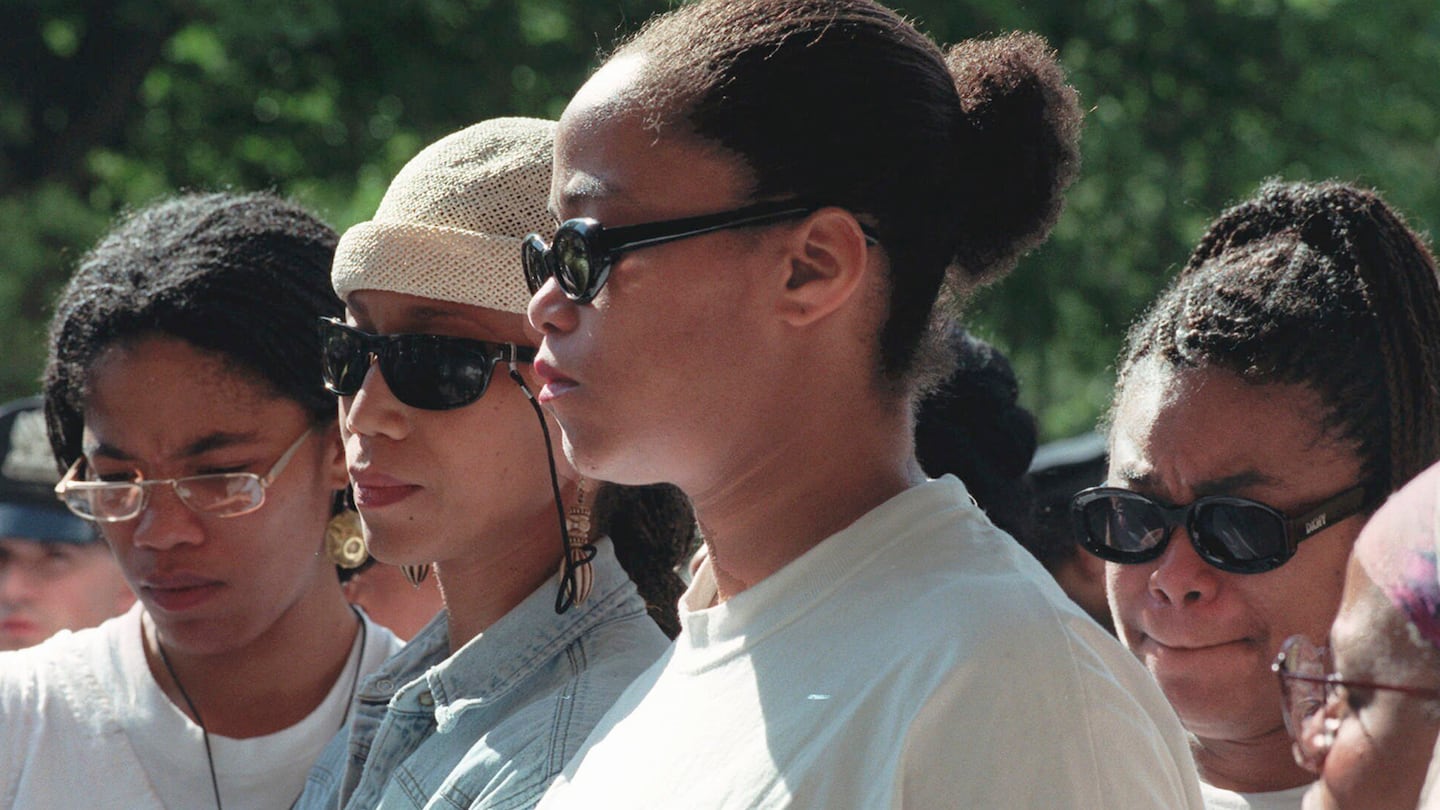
(771, 507)
(484, 585)
(242, 693)
(1258, 765)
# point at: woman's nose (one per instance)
(551, 311)
(1181, 577)
(374, 410)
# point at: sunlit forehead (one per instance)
(387, 312)
(616, 84)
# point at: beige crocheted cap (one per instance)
(450, 225)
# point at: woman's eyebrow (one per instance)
(200, 446)
(1149, 480)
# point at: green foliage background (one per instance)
(106, 104)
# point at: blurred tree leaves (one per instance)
(109, 103)
(1192, 104)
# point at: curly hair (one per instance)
(973, 426)
(958, 159)
(244, 276)
(1322, 285)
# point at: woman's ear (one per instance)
(335, 454)
(830, 257)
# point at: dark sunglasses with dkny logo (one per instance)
(1233, 534)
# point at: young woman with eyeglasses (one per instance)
(183, 394)
(1283, 385)
(759, 204)
(556, 588)
(1364, 711)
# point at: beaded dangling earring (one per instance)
(415, 573)
(578, 549)
(345, 540)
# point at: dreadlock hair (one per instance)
(1322, 285)
(244, 276)
(958, 159)
(653, 530)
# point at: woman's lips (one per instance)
(180, 592)
(374, 490)
(1179, 650)
(556, 383)
(18, 628)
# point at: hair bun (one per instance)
(1020, 138)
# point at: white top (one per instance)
(1222, 799)
(85, 724)
(918, 658)
(1430, 794)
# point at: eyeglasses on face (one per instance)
(1233, 534)
(217, 494)
(432, 372)
(583, 251)
(1316, 700)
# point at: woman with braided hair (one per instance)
(761, 203)
(1274, 395)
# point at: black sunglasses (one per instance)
(583, 251)
(433, 372)
(1233, 534)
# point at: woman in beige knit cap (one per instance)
(453, 468)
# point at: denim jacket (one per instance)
(491, 725)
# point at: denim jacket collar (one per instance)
(509, 651)
(503, 656)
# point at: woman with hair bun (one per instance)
(760, 202)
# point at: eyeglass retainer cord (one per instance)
(565, 596)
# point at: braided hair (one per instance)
(957, 158)
(653, 530)
(244, 276)
(1322, 285)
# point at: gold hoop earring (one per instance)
(345, 540)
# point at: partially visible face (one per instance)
(1209, 636)
(1384, 739)
(159, 408)
(48, 587)
(465, 484)
(658, 379)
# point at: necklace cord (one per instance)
(194, 712)
(200, 721)
(359, 662)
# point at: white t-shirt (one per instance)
(1430, 794)
(85, 724)
(1222, 799)
(918, 658)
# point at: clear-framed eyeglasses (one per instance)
(1316, 700)
(216, 494)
